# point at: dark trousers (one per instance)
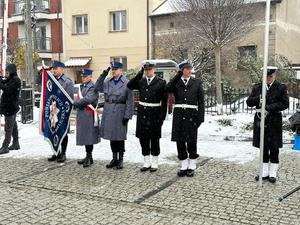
(117, 146)
(150, 146)
(11, 130)
(89, 148)
(64, 144)
(187, 150)
(271, 152)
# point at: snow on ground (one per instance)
(214, 140)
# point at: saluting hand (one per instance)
(105, 72)
(140, 73)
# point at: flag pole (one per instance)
(4, 42)
(4, 35)
(264, 81)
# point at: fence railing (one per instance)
(235, 102)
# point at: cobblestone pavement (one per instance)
(39, 192)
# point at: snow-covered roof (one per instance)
(168, 7)
(77, 62)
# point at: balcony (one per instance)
(41, 6)
(43, 45)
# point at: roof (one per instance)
(168, 7)
(78, 62)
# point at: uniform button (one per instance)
(183, 118)
(185, 99)
(145, 98)
(144, 107)
(144, 116)
(146, 89)
(185, 90)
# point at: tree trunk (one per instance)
(218, 80)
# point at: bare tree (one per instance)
(182, 44)
(216, 23)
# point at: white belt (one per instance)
(150, 104)
(186, 106)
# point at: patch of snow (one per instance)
(214, 140)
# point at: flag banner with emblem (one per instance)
(55, 111)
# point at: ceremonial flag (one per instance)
(55, 111)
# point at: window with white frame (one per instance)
(118, 20)
(80, 24)
(121, 59)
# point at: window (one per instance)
(122, 59)
(118, 21)
(172, 25)
(80, 24)
(245, 51)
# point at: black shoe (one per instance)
(4, 150)
(272, 179)
(112, 164)
(120, 161)
(190, 173)
(182, 173)
(88, 162)
(144, 169)
(81, 161)
(114, 161)
(120, 164)
(61, 158)
(153, 170)
(264, 178)
(14, 146)
(52, 158)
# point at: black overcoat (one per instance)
(277, 100)
(186, 121)
(150, 119)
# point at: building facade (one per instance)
(284, 32)
(97, 32)
(46, 26)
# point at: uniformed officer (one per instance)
(67, 84)
(151, 113)
(117, 111)
(87, 126)
(277, 100)
(187, 116)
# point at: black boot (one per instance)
(61, 158)
(4, 150)
(81, 161)
(14, 146)
(120, 161)
(113, 162)
(89, 160)
(263, 178)
(190, 173)
(182, 173)
(52, 158)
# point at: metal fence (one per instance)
(234, 101)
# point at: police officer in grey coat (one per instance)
(67, 84)
(87, 129)
(117, 111)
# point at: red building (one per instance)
(47, 31)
